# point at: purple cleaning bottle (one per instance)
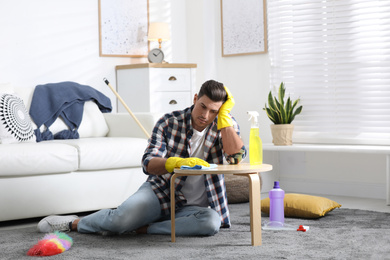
(276, 207)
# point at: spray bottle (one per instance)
(276, 207)
(255, 144)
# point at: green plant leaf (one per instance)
(297, 112)
(281, 93)
(278, 110)
(274, 110)
(277, 104)
(271, 102)
(283, 115)
(295, 103)
(270, 114)
(288, 109)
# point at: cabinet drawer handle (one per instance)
(172, 78)
(172, 102)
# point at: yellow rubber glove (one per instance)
(177, 162)
(224, 120)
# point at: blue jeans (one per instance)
(143, 208)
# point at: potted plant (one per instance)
(282, 113)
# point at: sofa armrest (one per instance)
(123, 125)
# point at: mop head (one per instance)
(51, 244)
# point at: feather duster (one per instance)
(51, 244)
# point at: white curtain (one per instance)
(335, 56)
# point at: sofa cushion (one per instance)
(101, 153)
(23, 159)
(93, 123)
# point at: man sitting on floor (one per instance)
(198, 135)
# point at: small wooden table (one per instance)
(245, 169)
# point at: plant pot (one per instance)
(282, 134)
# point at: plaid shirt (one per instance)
(171, 138)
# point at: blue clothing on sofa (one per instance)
(65, 99)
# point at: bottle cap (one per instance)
(276, 185)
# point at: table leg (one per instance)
(255, 208)
(173, 206)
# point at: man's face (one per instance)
(204, 112)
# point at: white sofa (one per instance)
(78, 175)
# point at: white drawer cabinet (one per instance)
(152, 87)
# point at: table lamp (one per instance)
(158, 32)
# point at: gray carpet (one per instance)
(342, 234)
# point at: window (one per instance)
(335, 56)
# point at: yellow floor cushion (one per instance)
(303, 206)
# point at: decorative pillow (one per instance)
(303, 206)
(15, 122)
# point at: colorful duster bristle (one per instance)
(51, 244)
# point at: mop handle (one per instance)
(127, 108)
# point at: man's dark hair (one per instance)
(213, 90)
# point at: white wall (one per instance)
(46, 41)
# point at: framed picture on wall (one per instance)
(123, 28)
(244, 28)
